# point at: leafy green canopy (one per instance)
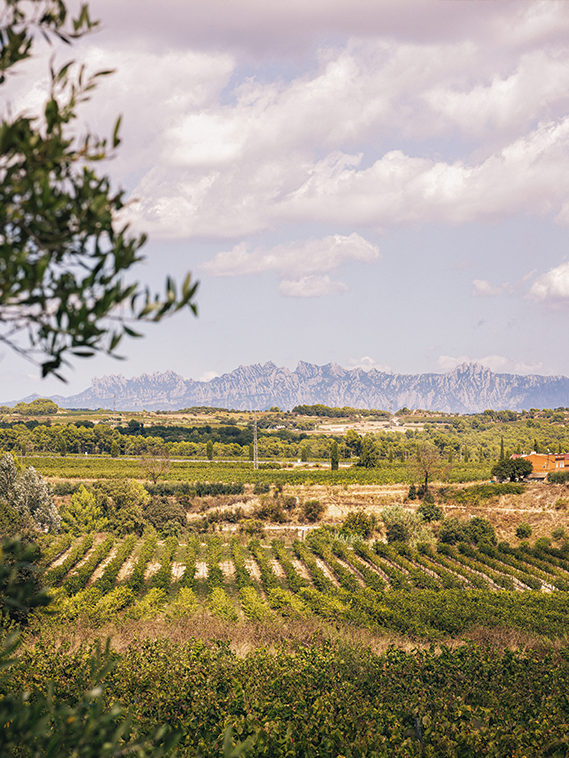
(63, 254)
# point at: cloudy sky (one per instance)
(371, 183)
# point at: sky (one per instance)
(376, 184)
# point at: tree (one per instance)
(369, 455)
(209, 450)
(27, 494)
(353, 442)
(334, 456)
(122, 502)
(512, 469)
(155, 462)
(427, 464)
(404, 525)
(83, 515)
(64, 254)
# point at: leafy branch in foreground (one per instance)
(63, 253)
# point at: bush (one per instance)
(452, 530)
(261, 488)
(558, 477)
(252, 527)
(312, 510)
(524, 531)
(404, 525)
(160, 510)
(358, 523)
(412, 494)
(429, 511)
(270, 510)
(558, 533)
(290, 502)
(480, 530)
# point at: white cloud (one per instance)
(207, 376)
(483, 288)
(311, 286)
(366, 363)
(552, 288)
(496, 363)
(294, 258)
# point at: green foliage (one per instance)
(83, 515)
(524, 531)
(161, 512)
(109, 576)
(480, 530)
(430, 512)
(185, 604)
(221, 605)
(242, 577)
(122, 502)
(480, 493)
(558, 477)
(136, 579)
(56, 574)
(79, 579)
(312, 510)
(163, 577)
(334, 456)
(26, 493)
(253, 607)
(404, 525)
(512, 469)
(65, 258)
(268, 578)
(369, 455)
(261, 488)
(286, 603)
(214, 572)
(358, 524)
(20, 580)
(558, 533)
(39, 407)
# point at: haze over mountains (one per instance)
(469, 388)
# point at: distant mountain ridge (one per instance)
(469, 388)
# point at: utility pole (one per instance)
(255, 449)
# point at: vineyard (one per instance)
(110, 468)
(429, 593)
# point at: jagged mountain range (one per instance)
(469, 388)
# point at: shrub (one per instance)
(524, 531)
(359, 523)
(404, 525)
(159, 511)
(412, 494)
(452, 530)
(261, 488)
(270, 510)
(541, 543)
(312, 510)
(558, 477)
(290, 502)
(481, 530)
(429, 511)
(558, 533)
(561, 503)
(252, 527)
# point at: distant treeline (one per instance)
(344, 412)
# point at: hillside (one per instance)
(469, 388)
